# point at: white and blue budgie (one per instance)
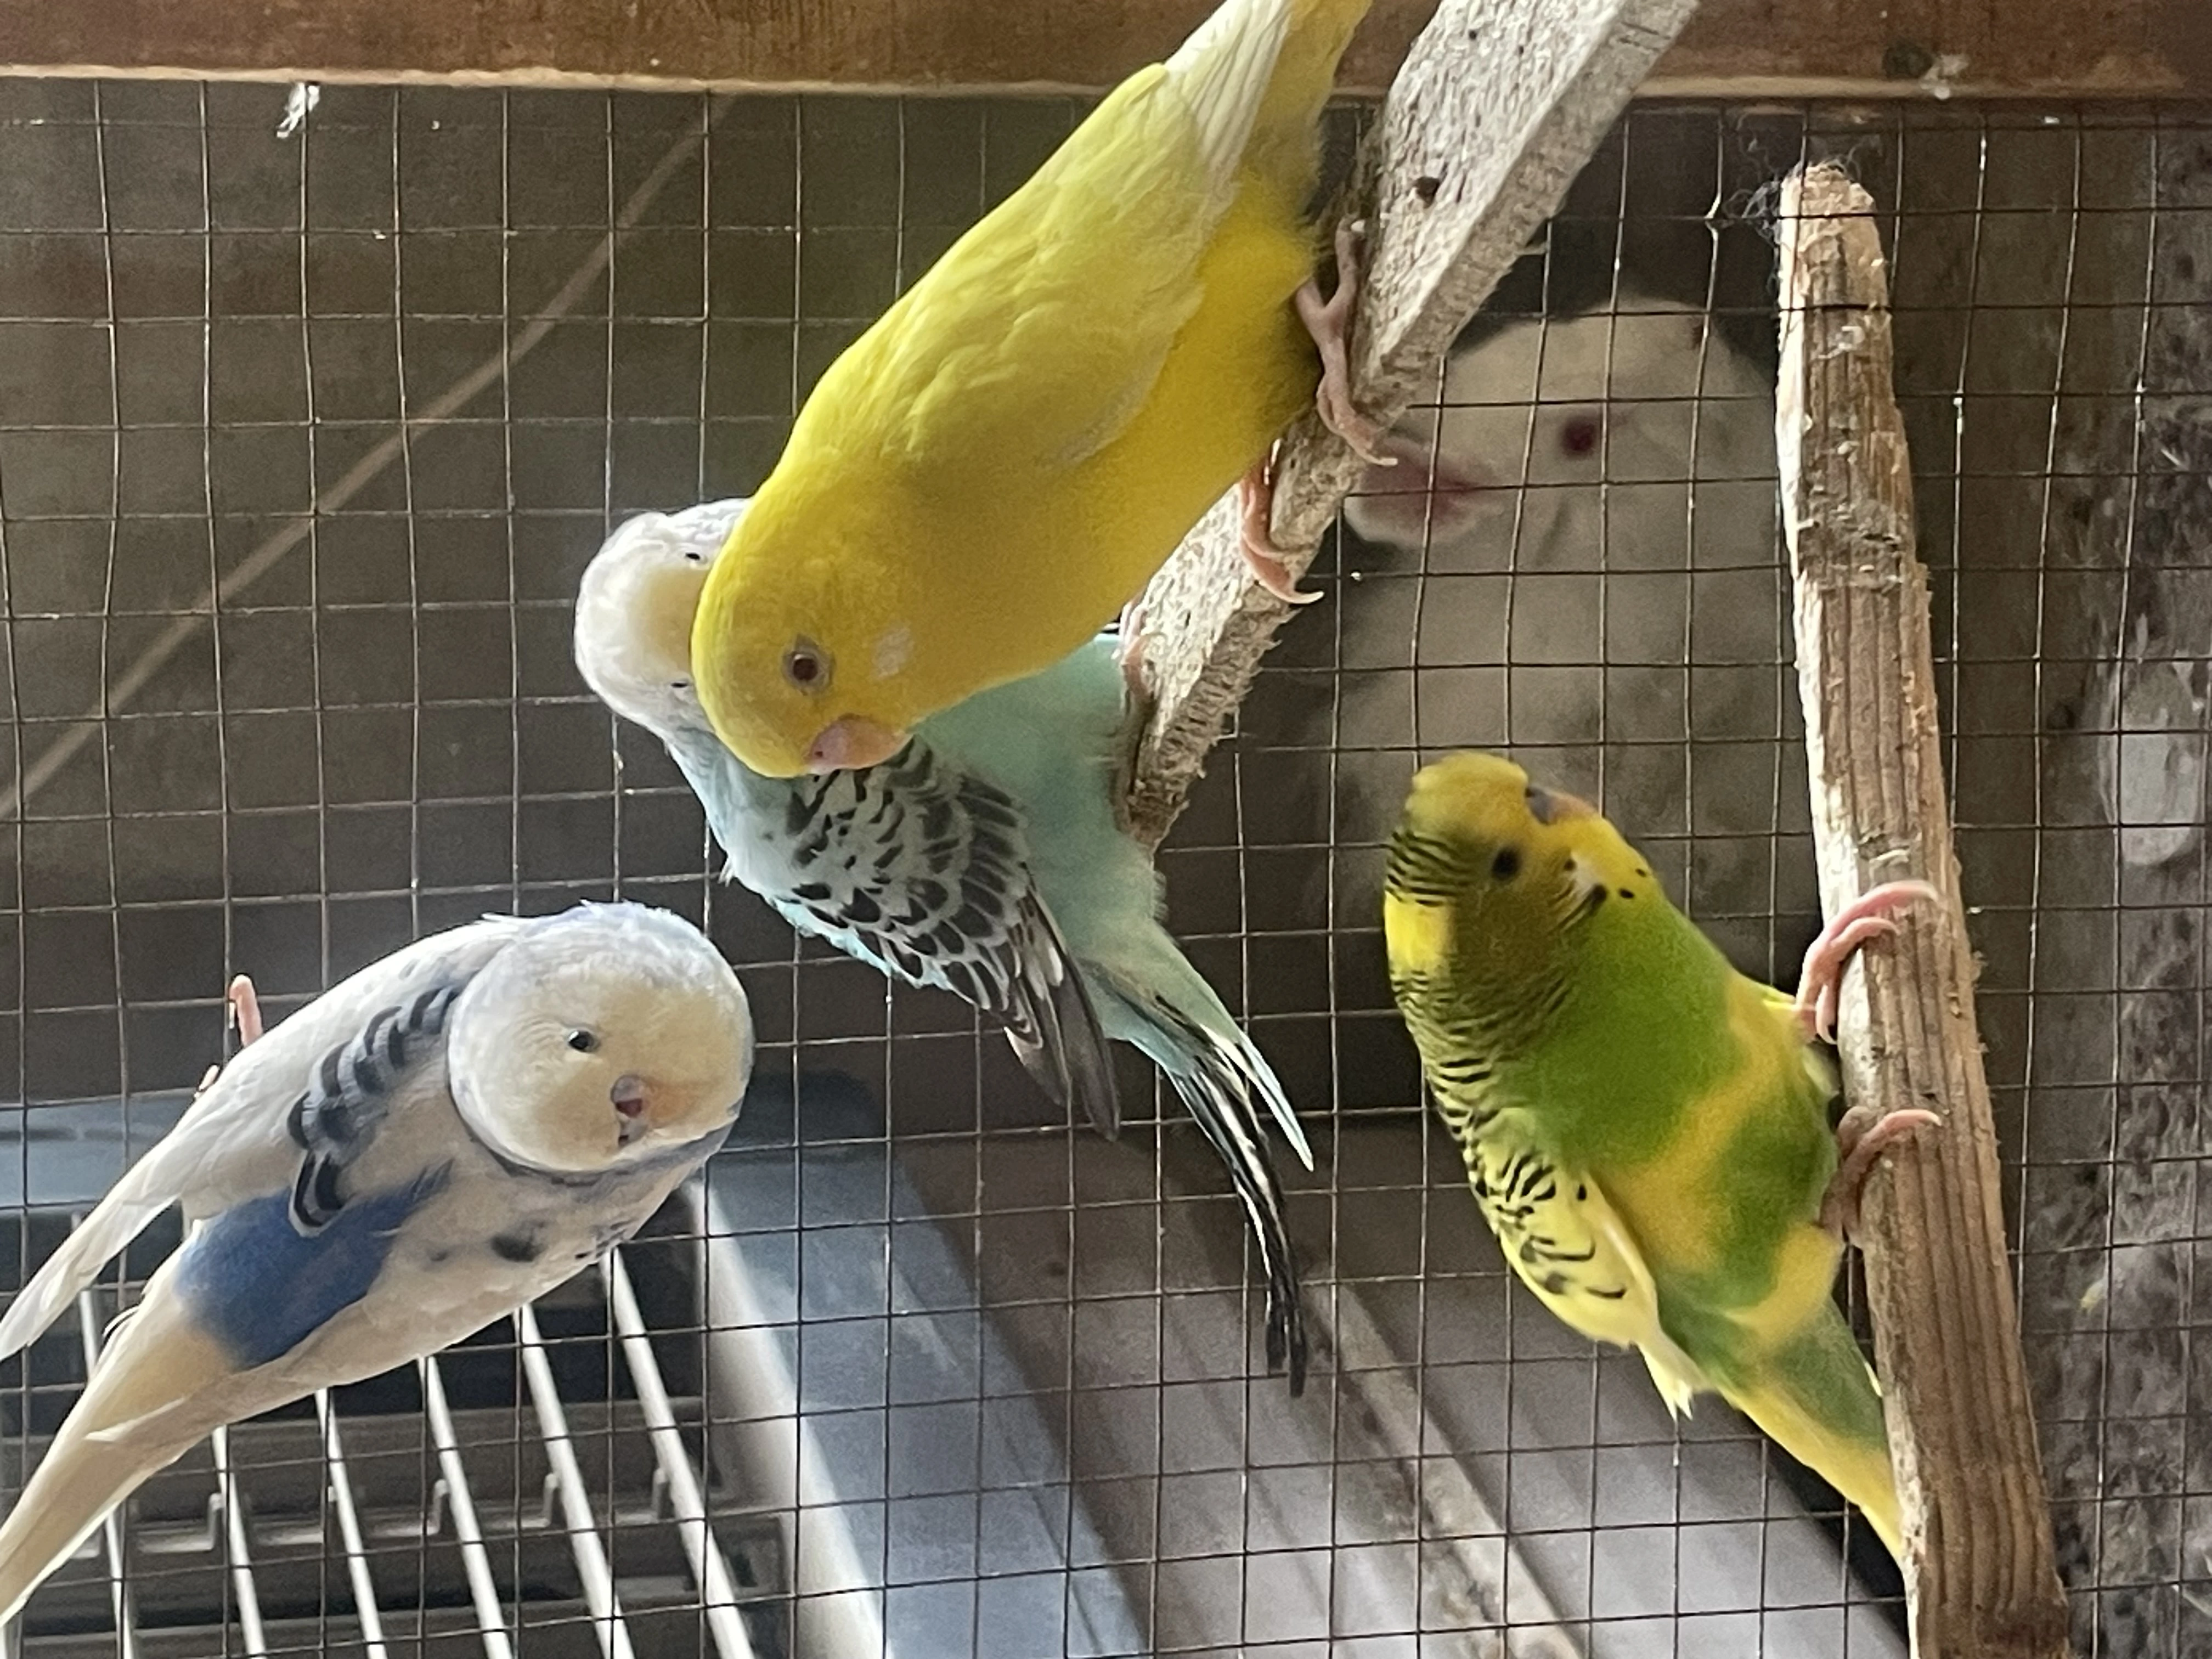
(447, 1134)
(985, 859)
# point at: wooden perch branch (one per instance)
(1498, 105)
(1979, 1574)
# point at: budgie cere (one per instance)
(985, 859)
(1644, 1127)
(447, 1134)
(989, 473)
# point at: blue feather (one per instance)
(260, 1288)
(1050, 746)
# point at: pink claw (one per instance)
(244, 1015)
(1129, 655)
(1329, 322)
(1863, 1137)
(1256, 493)
(1866, 917)
(245, 1009)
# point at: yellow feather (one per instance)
(1859, 1470)
(1634, 1115)
(992, 470)
(1673, 1198)
(1629, 1319)
(1417, 936)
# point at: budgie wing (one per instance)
(333, 1122)
(1038, 336)
(921, 870)
(1563, 1236)
(288, 1112)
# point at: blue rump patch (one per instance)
(260, 1288)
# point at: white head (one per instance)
(634, 611)
(603, 1037)
(1562, 405)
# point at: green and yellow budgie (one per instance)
(989, 473)
(1645, 1128)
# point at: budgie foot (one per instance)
(1862, 1137)
(243, 1016)
(1866, 917)
(1255, 497)
(245, 1009)
(1329, 322)
(1129, 655)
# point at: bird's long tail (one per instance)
(1227, 1085)
(120, 1217)
(1295, 45)
(79, 1481)
(1815, 1396)
(138, 1414)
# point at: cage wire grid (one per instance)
(303, 444)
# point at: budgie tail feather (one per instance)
(121, 1217)
(1217, 1083)
(1815, 1396)
(137, 1418)
(1054, 1030)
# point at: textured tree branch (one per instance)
(1980, 1579)
(1498, 105)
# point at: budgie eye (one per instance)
(1506, 865)
(694, 556)
(679, 685)
(806, 665)
(1579, 437)
(583, 1041)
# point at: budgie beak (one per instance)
(853, 743)
(1556, 806)
(628, 1097)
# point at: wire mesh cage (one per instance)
(309, 426)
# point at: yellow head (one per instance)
(1488, 872)
(803, 651)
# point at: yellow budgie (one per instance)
(1644, 1127)
(994, 468)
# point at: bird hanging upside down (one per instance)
(985, 859)
(987, 476)
(1644, 1127)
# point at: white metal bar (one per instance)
(591, 1565)
(475, 1560)
(118, 1587)
(241, 1555)
(766, 1437)
(710, 1569)
(357, 1553)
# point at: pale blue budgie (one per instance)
(984, 858)
(431, 1144)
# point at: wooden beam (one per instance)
(1498, 105)
(1980, 1573)
(1779, 48)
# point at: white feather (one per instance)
(1222, 72)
